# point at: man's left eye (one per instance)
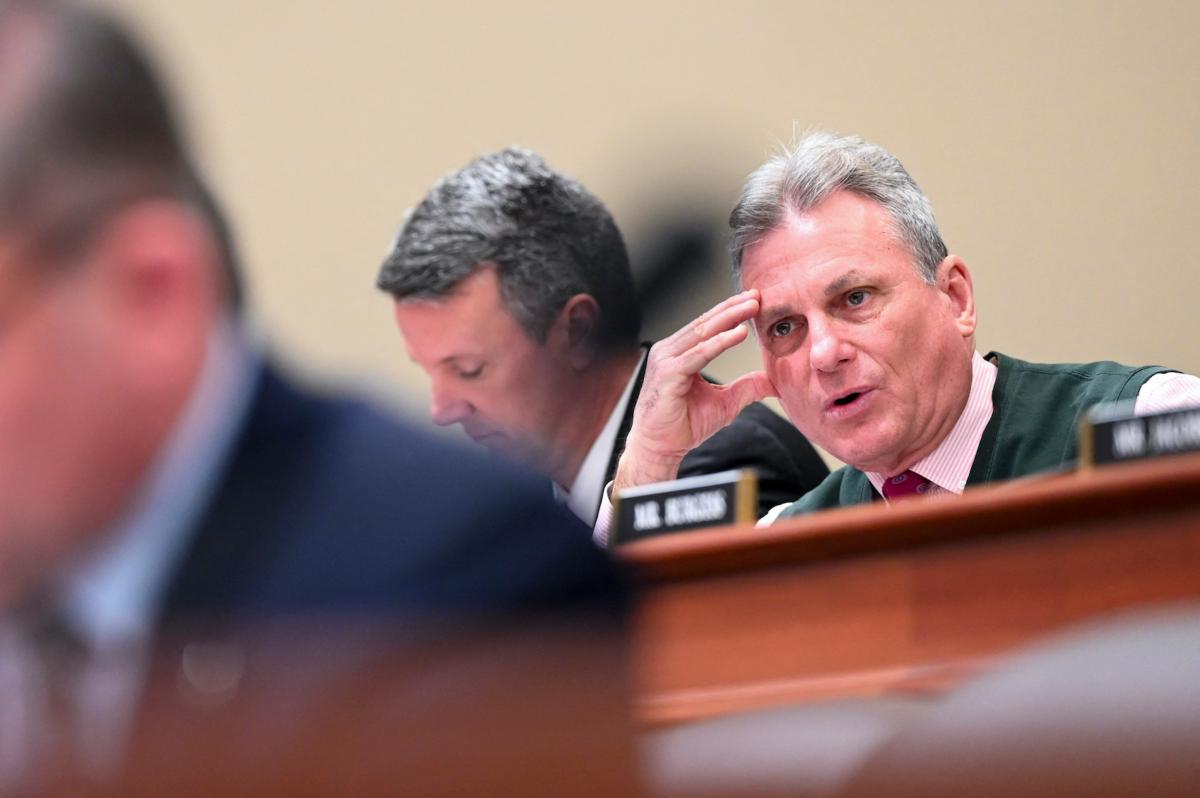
(856, 298)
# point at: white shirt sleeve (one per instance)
(773, 514)
(1171, 391)
(604, 519)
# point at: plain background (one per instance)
(1056, 140)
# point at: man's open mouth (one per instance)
(848, 398)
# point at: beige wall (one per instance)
(1057, 141)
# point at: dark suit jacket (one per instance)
(759, 438)
(328, 504)
(363, 604)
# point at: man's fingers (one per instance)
(726, 304)
(748, 388)
(723, 316)
(703, 353)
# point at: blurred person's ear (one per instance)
(575, 330)
(156, 265)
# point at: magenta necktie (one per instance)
(902, 486)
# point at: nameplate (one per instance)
(1112, 434)
(730, 497)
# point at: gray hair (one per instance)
(547, 235)
(802, 176)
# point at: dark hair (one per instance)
(98, 133)
(547, 235)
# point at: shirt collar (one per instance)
(949, 465)
(112, 596)
(584, 497)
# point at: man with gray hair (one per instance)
(866, 325)
(513, 291)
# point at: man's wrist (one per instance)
(637, 467)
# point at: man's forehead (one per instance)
(25, 45)
(428, 339)
(438, 329)
(844, 227)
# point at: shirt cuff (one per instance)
(773, 514)
(604, 519)
(1172, 391)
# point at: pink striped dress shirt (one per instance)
(948, 466)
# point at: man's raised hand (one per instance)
(678, 409)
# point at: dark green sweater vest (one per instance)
(1036, 410)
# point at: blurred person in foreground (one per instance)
(866, 325)
(154, 465)
(513, 291)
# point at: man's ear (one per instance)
(954, 280)
(574, 331)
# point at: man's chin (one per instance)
(501, 445)
(494, 442)
(865, 456)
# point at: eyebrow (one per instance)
(847, 280)
(838, 286)
(773, 312)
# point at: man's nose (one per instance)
(828, 348)
(447, 407)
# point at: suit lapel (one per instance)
(238, 530)
(627, 419)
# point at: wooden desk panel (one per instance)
(910, 597)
